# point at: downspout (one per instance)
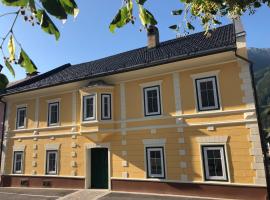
(3, 130)
(261, 131)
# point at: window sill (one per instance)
(90, 122)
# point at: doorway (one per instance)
(99, 168)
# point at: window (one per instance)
(51, 162)
(214, 163)
(106, 107)
(155, 162)
(152, 105)
(53, 118)
(17, 162)
(89, 107)
(21, 118)
(207, 94)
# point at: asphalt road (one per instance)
(32, 194)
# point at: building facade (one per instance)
(176, 117)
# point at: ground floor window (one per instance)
(214, 163)
(51, 162)
(17, 162)
(155, 162)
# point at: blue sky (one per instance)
(88, 38)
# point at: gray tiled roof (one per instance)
(221, 39)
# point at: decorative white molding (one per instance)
(183, 165)
(246, 86)
(54, 100)
(19, 147)
(124, 142)
(73, 164)
(74, 108)
(42, 129)
(212, 139)
(124, 153)
(73, 145)
(34, 155)
(94, 145)
(177, 94)
(55, 146)
(250, 115)
(184, 177)
(22, 106)
(153, 131)
(37, 112)
(123, 101)
(35, 146)
(211, 128)
(34, 163)
(182, 152)
(124, 174)
(154, 142)
(153, 83)
(180, 130)
(73, 154)
(181, 140)
(124, 163)
(205, 74)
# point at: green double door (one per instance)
(99, 168)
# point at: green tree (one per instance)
(39, 12)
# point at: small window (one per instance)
(89, 108)
(106, 107)
(51, 162)
(21, 118)
(53, 118)
(17, 162)
(214, 163)
(207, 94)
(155, 162)
(152, 105)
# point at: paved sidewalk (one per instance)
(85, 195)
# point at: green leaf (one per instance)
(141, 2)
(146, 17)
(177, 12)
(26, 62)
(15, 2)
(3, 81)
(55, 8)
(123, 16)
(70, 7)
(174, 27)
(190, 26)
(10, 68)
(47, 24)
(11, 48)
(257, 4)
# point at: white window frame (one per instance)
(15, 153)
(221, 148)
(48, 152)
(103, 96)
(146, 110)
(49, 113)
(214, 80)
(85, 118)
(18, 115)
(148, 151)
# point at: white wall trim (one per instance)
(74, 107)
(177, 94)
(19, 147)
(152, 83)
(55, 146)
(54, 100)
(5, 139)
(37, 112)
(205, 74)
(212, 139)
(154, 142)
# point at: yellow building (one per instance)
(176, 117)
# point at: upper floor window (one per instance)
(21, 118)
(214, 163)
(89, 107)
(207, 94)
(17, 162)
(51, 162)
(106, 107)
(155, 162)
(152, 103)
(53, 114)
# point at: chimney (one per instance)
(153, 36)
